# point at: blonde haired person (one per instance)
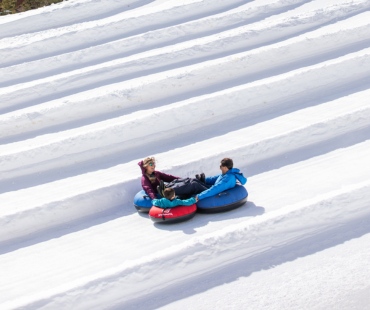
(151, 178)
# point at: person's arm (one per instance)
(186, 202)
(165, 203)
(166, 177)
(148, 188)
(211, 180)
(225, 183)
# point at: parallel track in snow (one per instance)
(280, 86)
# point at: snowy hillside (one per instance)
(88, 88)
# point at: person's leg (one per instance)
(187, 187)
(199, 186)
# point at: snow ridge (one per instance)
(245, 237)
(87, 91)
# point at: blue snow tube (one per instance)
(227, 200)
(142, 202)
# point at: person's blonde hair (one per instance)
(148, 160)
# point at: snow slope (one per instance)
(88, 88)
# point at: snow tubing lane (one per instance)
(224, 201)
(142, 202)
(172, 215)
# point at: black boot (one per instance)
(161, 185)
(202, 177)
(159, 191)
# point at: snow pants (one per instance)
(185, 188)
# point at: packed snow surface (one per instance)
(88, 88)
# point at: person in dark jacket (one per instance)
(151, 178)
(226, 180)
(170, 200)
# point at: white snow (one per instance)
(89, 88)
